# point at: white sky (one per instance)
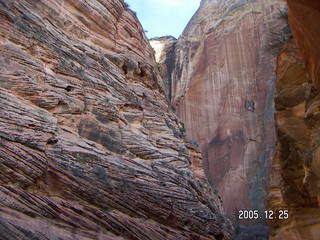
(164, 17)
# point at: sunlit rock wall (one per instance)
(222, 88)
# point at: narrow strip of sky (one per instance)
(164, 17)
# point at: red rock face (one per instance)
(88, 146)
(303, 20)
(295, 174)
(222, 87)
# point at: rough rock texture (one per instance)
(293, 185)
(222, 86)
(295, 179)
(304, 19)
(88, 146)
(164, 48)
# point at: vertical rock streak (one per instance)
(222, 86)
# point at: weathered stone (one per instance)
(89, 148)
(295, 175)
(222, 85)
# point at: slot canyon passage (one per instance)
(102, 137)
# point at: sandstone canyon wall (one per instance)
(89, 148)
(229, 61)
(295, 179)
(222, 88)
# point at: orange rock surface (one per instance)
(295, 178)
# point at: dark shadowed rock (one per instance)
(295, 175)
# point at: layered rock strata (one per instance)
(222, 86)
(88, 146)
(295, 178)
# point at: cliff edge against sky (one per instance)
(89, 148)
(222, 87)
(244, 79)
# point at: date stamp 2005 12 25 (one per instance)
(267, 214)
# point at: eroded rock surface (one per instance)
(292, 182)
(164, 48)
(88, 146)
(295, 178)
(222, 86)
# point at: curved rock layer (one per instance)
(222, 85)
(295, 179)
(88, 146)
